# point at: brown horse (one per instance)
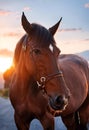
(75, 71)
(37, 84)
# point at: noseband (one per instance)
(43, 80)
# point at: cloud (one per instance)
(26, 8)
(86, 40)
(6, 53)
(70, 29)
(86, 5)
(12, 34)
(5, 12)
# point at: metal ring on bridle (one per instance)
(43, 79)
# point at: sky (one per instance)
(71, 37)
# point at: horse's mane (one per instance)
(18, 50)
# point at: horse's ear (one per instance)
(26, 25)
(55, 27)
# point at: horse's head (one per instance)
(38, 59)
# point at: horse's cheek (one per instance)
(30, 66)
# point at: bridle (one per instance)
(43, 80)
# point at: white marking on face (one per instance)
(51, 47)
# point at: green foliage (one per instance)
(4, 92)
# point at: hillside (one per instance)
(84, 54)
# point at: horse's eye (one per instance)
(37, 51)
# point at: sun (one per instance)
(5, 63)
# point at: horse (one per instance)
(37, 85)
(75, 75)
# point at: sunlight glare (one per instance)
(5, 63)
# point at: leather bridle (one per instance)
(43, 80)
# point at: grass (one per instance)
(4, 92)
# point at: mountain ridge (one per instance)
(84, 54)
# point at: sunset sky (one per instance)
(72, 35)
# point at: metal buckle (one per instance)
(43, 79)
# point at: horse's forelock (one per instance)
(41, 36)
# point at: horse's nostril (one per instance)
(59, 100)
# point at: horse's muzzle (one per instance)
(58, 103)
